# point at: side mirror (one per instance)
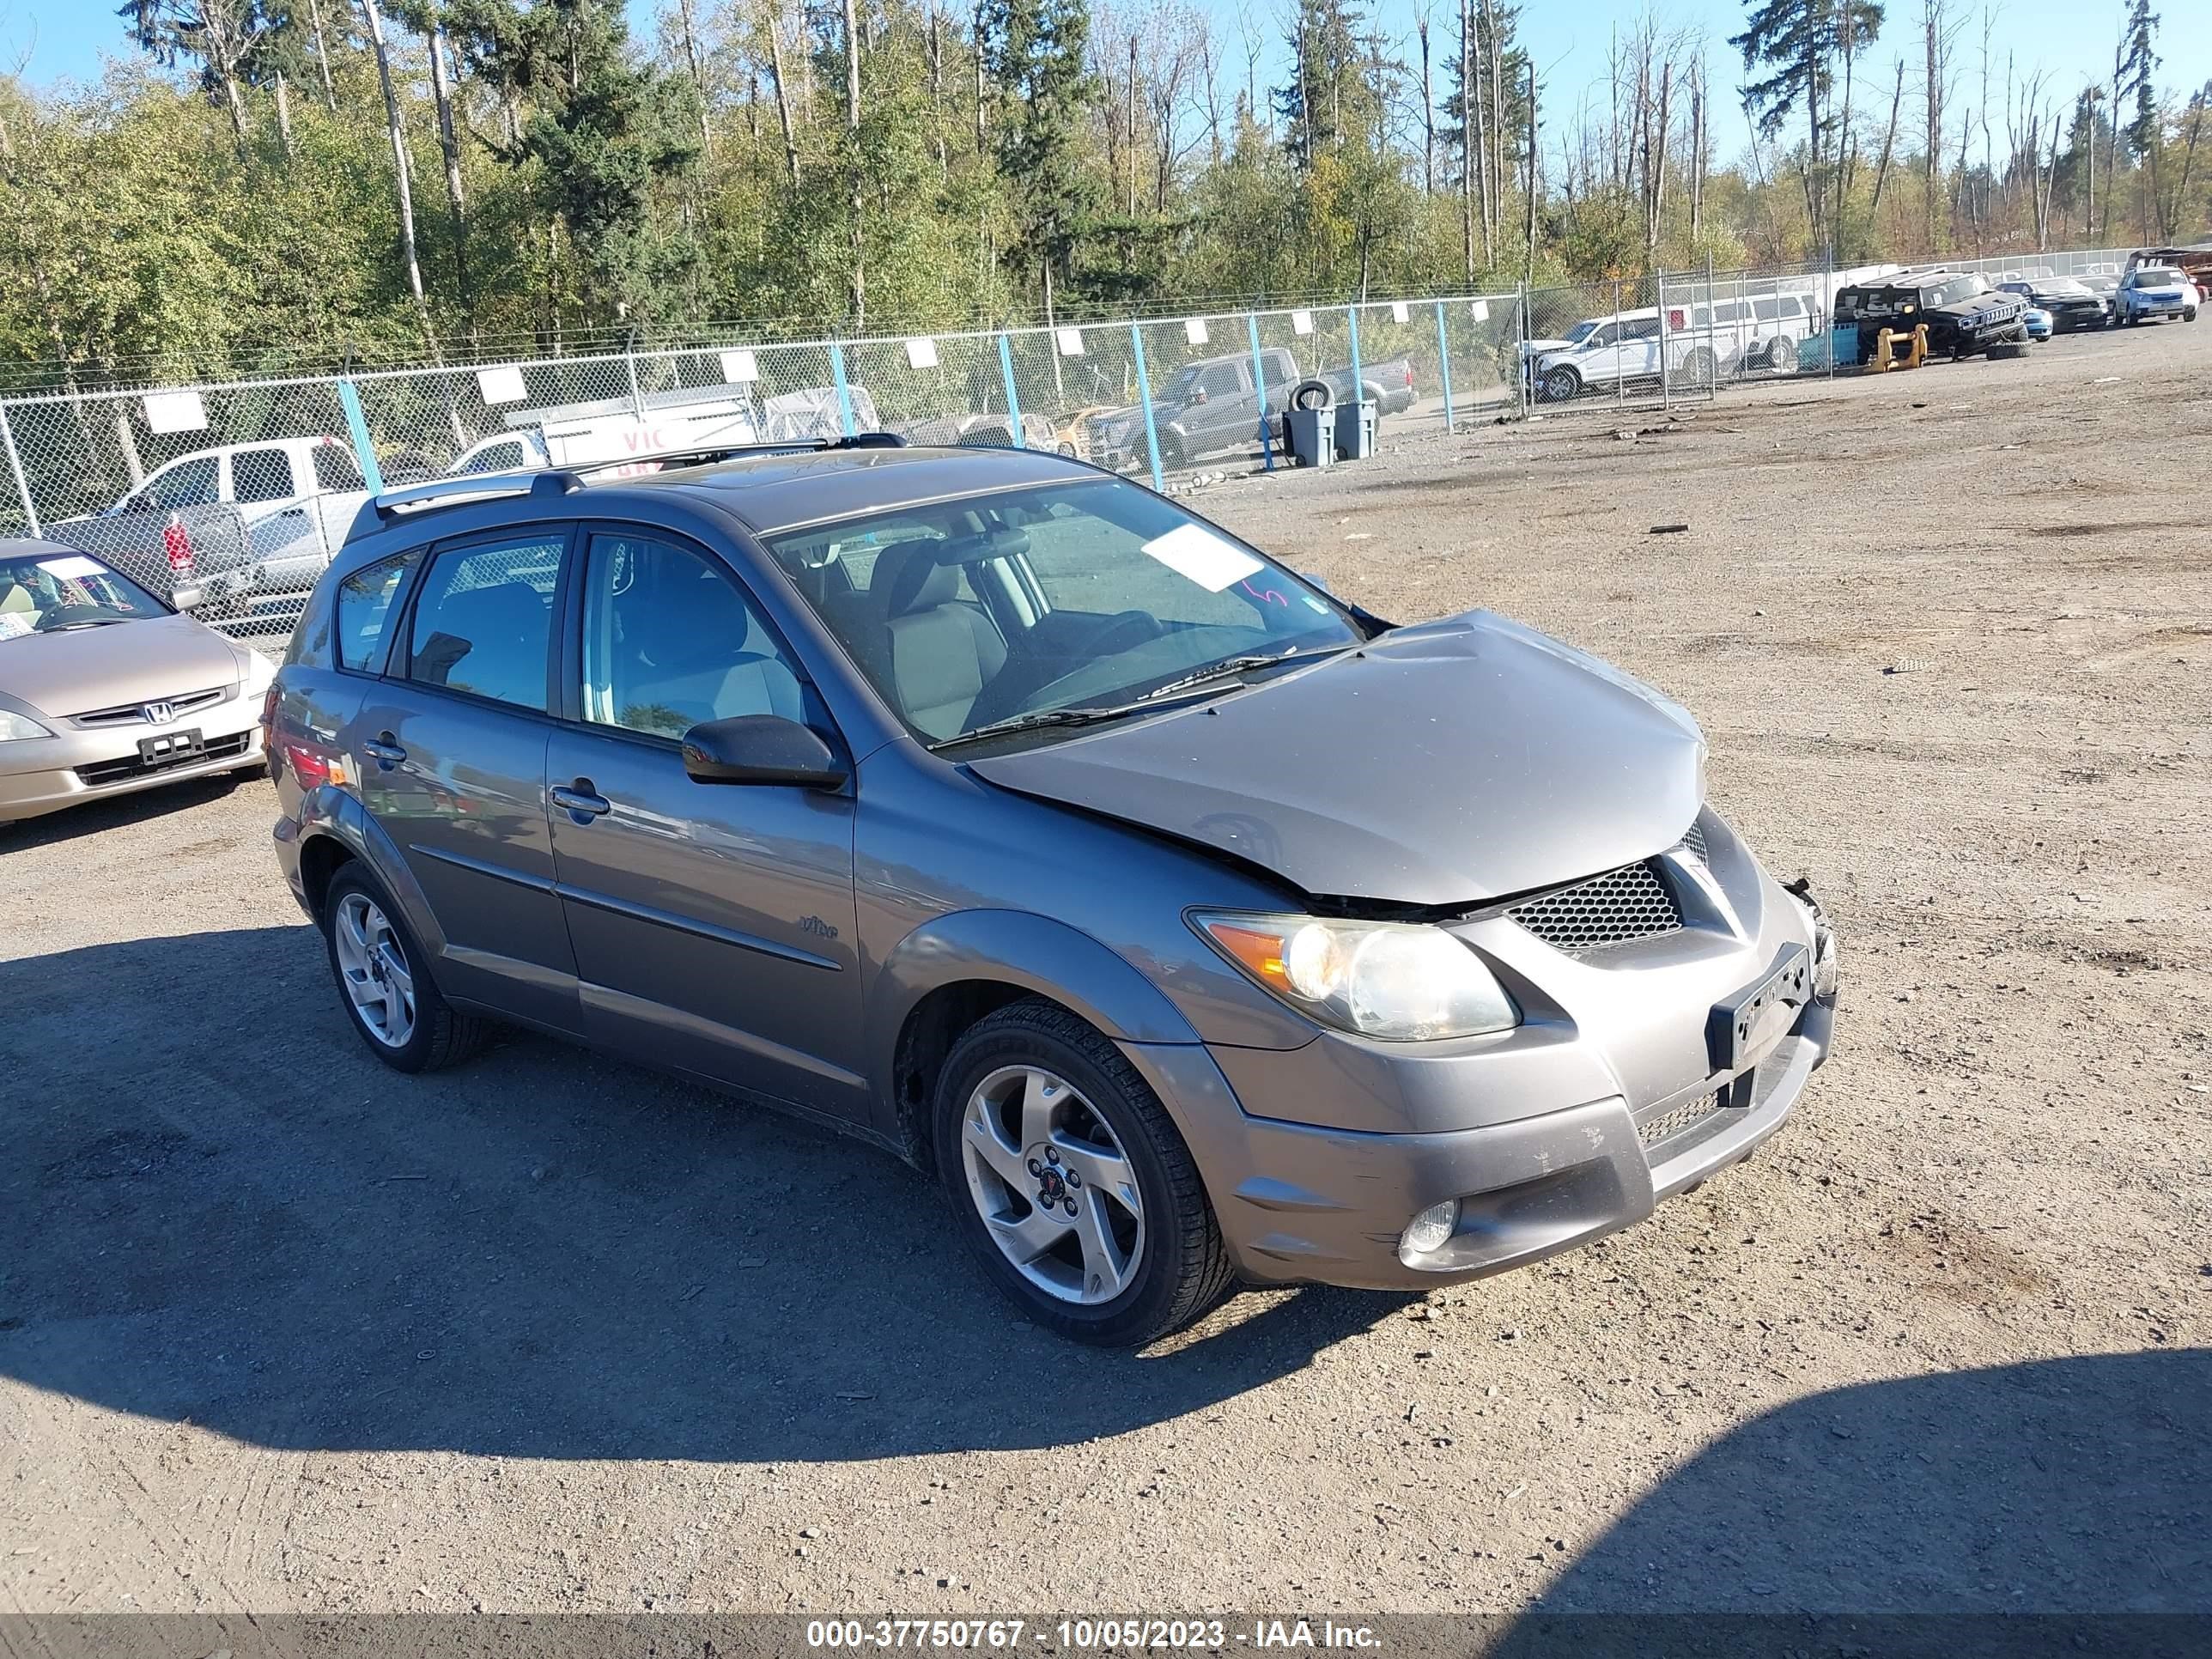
(760, 749)
(186, 596)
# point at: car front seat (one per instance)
(939, 653)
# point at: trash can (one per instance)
(1311, 435)
(1355, 430)
(1844, 346)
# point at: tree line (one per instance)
(257, 186)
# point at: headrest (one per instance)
(920, 575)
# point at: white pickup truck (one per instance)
(294, 497)
(604, 435)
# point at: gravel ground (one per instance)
(281, 1331)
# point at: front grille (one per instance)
(1694, 840)
(1628, 903)
(123, 771)
(132, 713)
(1689, 1112)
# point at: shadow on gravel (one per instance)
(218, 1207)
(116, 812)
(2022, 1508)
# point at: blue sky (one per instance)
(2071, 40)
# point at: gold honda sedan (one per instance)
(105, 689)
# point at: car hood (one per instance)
(86, 668)
(1440, 765)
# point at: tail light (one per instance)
(178, 546)
(1409, 377)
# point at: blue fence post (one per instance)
(1013, 402)
(1260, 389)
(1443, 364)
(1358, 390)
(364, 452)
(1145, 396)
(844, 392)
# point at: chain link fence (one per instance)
(245, 490)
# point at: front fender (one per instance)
(1019, 948)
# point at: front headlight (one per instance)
(255, 672)
(14, 727)
(1400, 980)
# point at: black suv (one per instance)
(1964, 314)
(2072, 305)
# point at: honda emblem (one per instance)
(158, 714)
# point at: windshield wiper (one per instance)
(1227, 667)
(1081, 714)
(89, 622)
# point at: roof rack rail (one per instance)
(697, 454)
(560, 481)
(537, 482)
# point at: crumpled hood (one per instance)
(1441, 765)
(79, 669)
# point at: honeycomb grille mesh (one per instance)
(1680, 1118)
(1694, 840)
(1624, 904)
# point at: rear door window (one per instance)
(1222, 380)
(261, 475)
(336, 468)
(484, 621)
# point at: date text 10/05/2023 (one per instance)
(1171, 1635)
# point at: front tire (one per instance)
(1070, 1182)
(384, 979)
(1562, 385)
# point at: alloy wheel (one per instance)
(373, 967)
(1055, 1190)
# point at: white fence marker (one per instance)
(1302, 322)
(1069, 341)
(502, 385)
(921, 354)
(1193, 330)
(738, 367)
(1398, 312)
(175, 412)
(1479, 311)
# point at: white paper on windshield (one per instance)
(1194, 551)
(1480, 309)
(1071, 341)
(1194, 331)
(1398, 312)
(12, 624)
(738, 367)
(1302, 322)
(68, 569)
(921, 354)
(502, 385)
(175, 412)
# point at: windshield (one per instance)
(54, 588)
(1949, 293)
(2157, 277)
(2059, 285)
(1581, 331)
(1087, 595)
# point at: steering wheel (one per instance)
(1142, 627)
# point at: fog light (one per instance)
(1428, 1231)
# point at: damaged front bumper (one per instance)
(1334, 1205)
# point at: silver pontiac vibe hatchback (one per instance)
(1188, 923)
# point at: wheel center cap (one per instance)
(1057, 1184)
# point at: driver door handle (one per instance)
(384, 750)
(581, 801)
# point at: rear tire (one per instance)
(360, 922)
(1176, 1268)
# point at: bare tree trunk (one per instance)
(1932, 40)
(322, 53)
(1496, 148)
(1132, 105)
(1428, 108)
(1468, 140)
(936, 48)
(782, 94)
(860, 303)
(1889, 148)
(1528, 264)
(442, 94)
(981, 145)
(1698, 153)
(698, 73)
(284, 90)
(375, 21)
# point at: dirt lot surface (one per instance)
(281, 1331)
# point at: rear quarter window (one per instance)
(363, 610)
